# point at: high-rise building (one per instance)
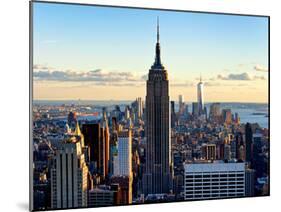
(249, 182)
(195, 111)
(258, 163)
(249, 142)
(127, 112)
(209, 151)
(214, 180)
(241, 153)
(139, 107)
(186, 111)
(157, 177)
(181, 99)
(227, 152)
(215, 112)
(227, 116)
(113, 159)
(72, 119)
(240, 147)
(98, 197)
(125, 186)
(237, 118)
(117, 195)
(96, 136)
(233, 146)
(114, 123)
(124, 155)
(93, 139)
(181, 104)
(105, 129)
(200, 97)
(69, 176)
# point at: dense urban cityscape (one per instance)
(147, 151)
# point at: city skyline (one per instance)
(83, 70)
(150, 149)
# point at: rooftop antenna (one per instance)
(158, 29)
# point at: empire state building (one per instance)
(158, 169)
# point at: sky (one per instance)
(105, 53)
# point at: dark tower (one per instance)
(94, 138)
(157, 176)
(249, 142)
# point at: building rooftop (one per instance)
(216, 166)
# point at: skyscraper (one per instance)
(93, 140)
(99, 197)
(157, 176)
(69, 176)
(195, 111)
(97, 138)
(209, 151)
(227, 152)
(249, 182)
(105, 130)
(139, 107)
(125, 185)
(71, 119)
(124, 157)
(113, 150)
(200, 99)
(181, 104)
(249, 142)
(227, 116)
(215, 111)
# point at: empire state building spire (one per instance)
(157, 63)
(157, 29)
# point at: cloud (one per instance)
(211, 84)
(260, 68)
(41, 67)
(96, 77)
(259, 78)
(243, 76)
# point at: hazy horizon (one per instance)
(131, 100)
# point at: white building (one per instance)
(69, 176)
(214, 180)
(123, 161)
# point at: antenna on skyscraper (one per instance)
(157, 29)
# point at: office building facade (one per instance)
(214, 180)
(69, 177)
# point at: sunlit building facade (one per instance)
(69, 177)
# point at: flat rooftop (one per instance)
(216, 166)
